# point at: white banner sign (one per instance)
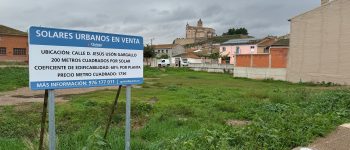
(60, 58)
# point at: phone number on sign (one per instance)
(99, 82)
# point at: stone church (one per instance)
(195, 34)
(198, 32)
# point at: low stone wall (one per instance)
(212, 67)
(261, 73)
(152, 62)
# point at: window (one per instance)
(267, 49)
(166, 51)
(162, 50)
(227, 61)
(2, 50)
(19, 51)
(223, 49)
(158, 51)
(238, 51)
(252, 47)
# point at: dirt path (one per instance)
(10, 66)
(337, 140)
(24, 95)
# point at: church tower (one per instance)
(200, 23)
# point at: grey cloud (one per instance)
(159, 19)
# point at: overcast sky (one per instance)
(163, 20)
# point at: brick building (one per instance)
(13, 45)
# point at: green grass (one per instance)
(13, 63)
(182, 109)
(12, 78)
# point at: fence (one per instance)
(212, 67)
(152, 62)
(262, 66)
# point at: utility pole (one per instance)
(152, 40)
(153, 50)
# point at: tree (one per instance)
(242, 31)
(148, 52)
(164, 56)
(214, 56)
(234, 31)
(231, 31)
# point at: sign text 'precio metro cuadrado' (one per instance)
(60, 59)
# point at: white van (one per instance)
(163, 63)
(181, 62)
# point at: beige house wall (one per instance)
(320, 45)
(261, 50)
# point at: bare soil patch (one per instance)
(25, 95)
(238, 123)
(153, 100)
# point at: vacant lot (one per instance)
(12, 78)
(181, 109)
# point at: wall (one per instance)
(261, 50)
(261, 60)
(178, 49)
(263, 66)
(184, 41)
(276, 59)
(279, 57)
(163, 51)
(260, 73)
(243, 61)
(320, 45)
(212, 67)
(190, 60)
(11, 42)
(152, 62)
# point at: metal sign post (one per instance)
(127, 118)
(52, 132)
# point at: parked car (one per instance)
(184, 62)
(181, 62)
(163, 63)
